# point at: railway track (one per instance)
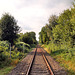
(39, 64)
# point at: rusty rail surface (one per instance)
(47, 63)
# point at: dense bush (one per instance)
(28, 37)
(4, 44)
(16, 53)
(33, 45)
(21, 45)
(4, 56)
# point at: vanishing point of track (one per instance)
(39, 64)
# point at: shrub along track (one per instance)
(37, 62)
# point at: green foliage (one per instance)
(33, 36)
(8, 28)
(43, 36)
(60, 31)
(5, 70)
(28, 37)
(4, 45)
(66, 57)
(20, 46)
(46, 32)
(16, 52)
(33, 46)
(53, 21)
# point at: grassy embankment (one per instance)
(65, 57)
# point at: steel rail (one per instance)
(47, 63)
(30, 66)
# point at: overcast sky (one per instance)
(32, 15)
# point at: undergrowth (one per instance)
(65, 57)
(17, 54)
(6, 70)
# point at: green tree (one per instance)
(28, 37)
(9, 28)
(46, 32)
(32, 35)
(73, 23)
(53, 21)
(40, 38)
(62, 32)
(43, 38)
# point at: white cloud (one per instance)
(32, 15)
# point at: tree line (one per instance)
(9, 31)
(60, 31)
(13, 44)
